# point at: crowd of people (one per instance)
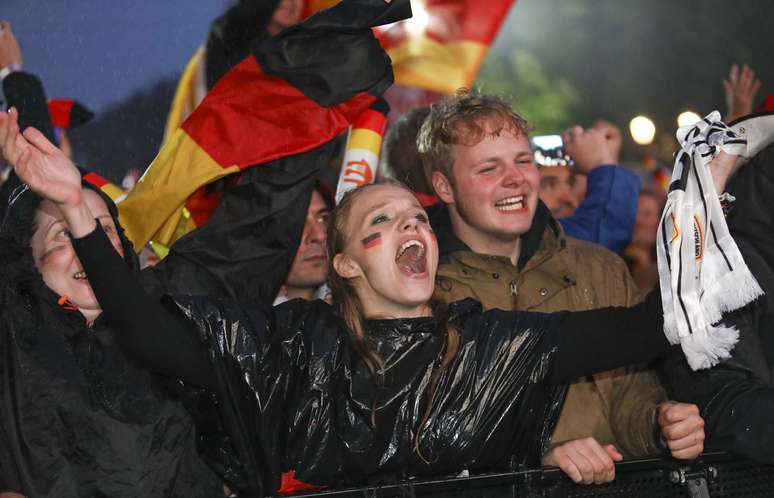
(470, 311)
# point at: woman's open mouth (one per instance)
(411, 258)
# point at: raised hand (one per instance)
(722, 167)
(39, 163)
(741, 88)
(588, 148)
(613, 135)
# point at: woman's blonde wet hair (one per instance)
(350, 309)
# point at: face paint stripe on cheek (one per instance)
(372, 240)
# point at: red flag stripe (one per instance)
(95, 180)
(371, 120)
(222, 127)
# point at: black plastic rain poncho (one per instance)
(310, 404)
(76, 417)
(296, 396)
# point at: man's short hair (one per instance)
(464, 119)
(401, 160)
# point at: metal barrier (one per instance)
(713, 475)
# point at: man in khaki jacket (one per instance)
(500, 245)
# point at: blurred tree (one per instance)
(547, 103)
(626, 58)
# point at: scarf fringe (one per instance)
(705, 350)
(725, 290)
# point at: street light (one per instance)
(642, 129)
(687, 118)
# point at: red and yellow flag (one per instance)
(219, 139)
(298, 91)
(444, 43)
(112, 190)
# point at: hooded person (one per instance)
(78, 418)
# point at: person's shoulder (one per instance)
(295, 309)
(314, 319)
(592, 253)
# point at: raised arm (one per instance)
(609, 202)
(606, 338)
(155, 337)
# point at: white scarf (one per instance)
(701, 272)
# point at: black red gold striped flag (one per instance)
(300, 90)
(364, 143)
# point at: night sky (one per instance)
(100, 51)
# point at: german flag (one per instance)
(364, 143)
(112, 190)
(443, 45)
(298, 91)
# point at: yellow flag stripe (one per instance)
(362, 138)
(113, 191)
(186, 98)
(442, 67)
(153, 209)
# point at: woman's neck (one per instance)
(420, 311)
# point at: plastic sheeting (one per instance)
(295, 395)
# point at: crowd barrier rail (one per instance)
(713, 475)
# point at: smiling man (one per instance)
(499, 244)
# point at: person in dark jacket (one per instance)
(390, 384)
(78, 418)
(736, 397)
